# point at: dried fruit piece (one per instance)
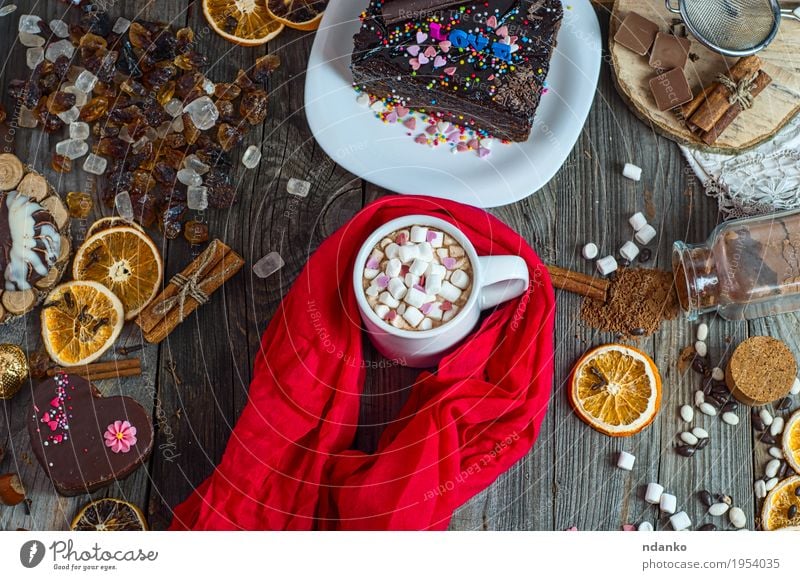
(248, 23)
(79, 204)
(109, 515)
(12, 491)
(298, 14)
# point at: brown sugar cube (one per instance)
(636, 33)
(761, 370)
(671, 89)
(669, 52)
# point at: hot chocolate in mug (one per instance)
(494, 279)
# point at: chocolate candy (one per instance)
(669, 52)
(85, 441)
(671, 89)
(636, 33)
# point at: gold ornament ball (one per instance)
(13, 370)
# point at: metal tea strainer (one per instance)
(733, 27)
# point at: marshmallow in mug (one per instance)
(417, 278)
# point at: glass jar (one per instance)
(747, 269)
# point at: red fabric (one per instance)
(288, 464)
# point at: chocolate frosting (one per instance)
(67, 422)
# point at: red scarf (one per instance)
(288, 464)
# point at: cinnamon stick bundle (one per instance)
(710, 137)
(578, 283)
(204, 276)
(103, 370)
(717, 101)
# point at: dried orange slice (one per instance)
(109, 515)
(616, 389)
(245, 22)
(791, 441)
(298, 14)
(80, 321)
(110, 222)
(124, 260)
(781, 509)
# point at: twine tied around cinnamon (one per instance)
(741, 92)
(191, 287)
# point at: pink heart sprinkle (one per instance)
(414, 63)
(53, 425)
(419, 287)
(439, 61)
(514, 39)
(491, 77)
(446, 305)
(491, 22)
(426, 308)
(391, 315)
(391, 117)
(410, 123)
(401, 239)
(445, 45)
(628, 528)
(483, 152)
(461, 147)
(404, 269)
(421, 139)
(449, 263)
(413, 50)
(430, 52)
(572, 529)
(58, 438)
(373, 264)
(502, 31)
(450, 71)
(473, 144)
(421, 37)
(430, 236)
(401, 111)
(55, 402)
(422, 59)
(431, 130)
(382, 281)
(45, 417)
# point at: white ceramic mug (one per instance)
(495, 280)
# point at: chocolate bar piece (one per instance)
(669, 52)
(671, 89)
(479, 64)
(636, 33)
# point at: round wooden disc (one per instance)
(772, 109)
(16, 304)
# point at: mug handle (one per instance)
(504, 278)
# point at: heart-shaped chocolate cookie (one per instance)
(83, 440)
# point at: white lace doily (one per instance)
(763, 180)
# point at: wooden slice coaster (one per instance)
(761, 370)
(16, 177)
(772, 109)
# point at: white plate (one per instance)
(387, 156)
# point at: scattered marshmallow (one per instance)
(435, 312)
(381, 310)
(413, 316)
(629, 251)
(637, 221)
(408, 253)
(606, 265)
(393, 268)
(460, 279)
(410, 279)
(388, 299)
(626, 460)
(680, 522)
(415, 297)
(392, 251)
(449, 292)
(645, 527)
(448, 315)
(442, 253)
(436, 270)
(419, 234)
(401, 308)
(433, 284)
(426, 324)
(372, 291)
(418, 267)
(590, 251)
(653, 493)
(668, 503)
(632, 171)
(371, 274)
(435, 239)
(425, 251)
(646, 235)
(397, 289)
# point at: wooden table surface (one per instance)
(196, 382)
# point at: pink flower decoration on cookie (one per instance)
(120, 436)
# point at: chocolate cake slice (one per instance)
(479, 64)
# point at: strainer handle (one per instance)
(671, 8)
(791, 13)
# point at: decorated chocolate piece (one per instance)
(481, 65)
(30, 242)
(83, 440)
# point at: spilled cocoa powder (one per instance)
(639, 300)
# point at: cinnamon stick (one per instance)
(114, 375)
(710, 137)
(100, 368)
(578, 283)
(689, 108)
(717, 103)
(148, 319)
(214, 278)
